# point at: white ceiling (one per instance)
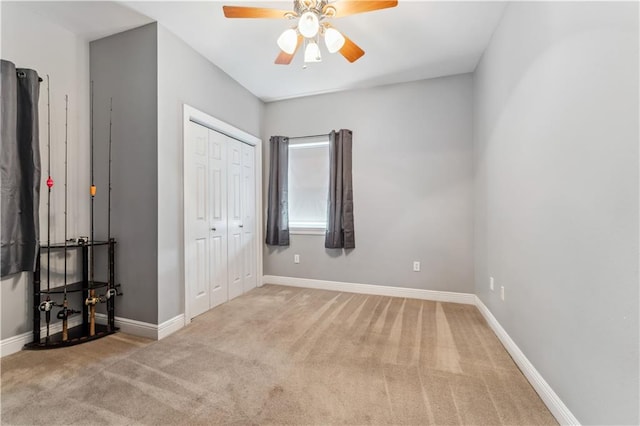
(89, 19)
(415, 40)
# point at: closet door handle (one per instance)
(213, 229)
(241, 226)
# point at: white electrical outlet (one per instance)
(416, 266)
(502, 293)
(491, 283)
(296, 258)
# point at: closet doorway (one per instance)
(221, 207)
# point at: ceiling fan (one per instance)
(313, 22)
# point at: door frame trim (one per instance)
(199, 117)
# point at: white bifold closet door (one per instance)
(220, 208)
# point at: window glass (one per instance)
(308, 182)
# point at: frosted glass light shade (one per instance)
(333, 39)
(312, 53)
(288, 41)
(308, 24)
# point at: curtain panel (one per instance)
(340, 227)
(19, 168)
(278, 201)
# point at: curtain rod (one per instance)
(311, 136)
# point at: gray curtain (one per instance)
(19, 168)
(340, 229)
(278, 202)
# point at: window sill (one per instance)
(307, 231)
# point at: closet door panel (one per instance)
(219, 291)
(197, 213)
(248, 217)
(234, 176)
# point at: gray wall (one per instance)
(151, 74)
(556, 171)
(124, 66)
(412, 179)
(31, 40)
(185, 77)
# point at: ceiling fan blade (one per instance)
(351, 51)
(351, 7)
(254, 12)
(286, 58)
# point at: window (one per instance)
(308, 184)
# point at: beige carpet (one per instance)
(284, 355)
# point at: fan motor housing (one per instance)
(317, 6)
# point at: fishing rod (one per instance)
(65, 312)
(111, 290)
(65, 332)
(109, 193)
(92, 299)
(111, 287)
(49, 184)
(47, 305)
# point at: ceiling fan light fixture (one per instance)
(333, 39)
(288, 41)
(312, 52)
(307, 4)
(308, 24)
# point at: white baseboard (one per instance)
(170, 326)
(15, 344)
(129, 326)
(378, 290)
(548, 396)
(145, 329)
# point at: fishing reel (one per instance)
(112, 292)
(90, 301)
(66, 313)
(47, 305)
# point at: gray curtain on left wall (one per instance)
(19, 168)
(278, 201)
